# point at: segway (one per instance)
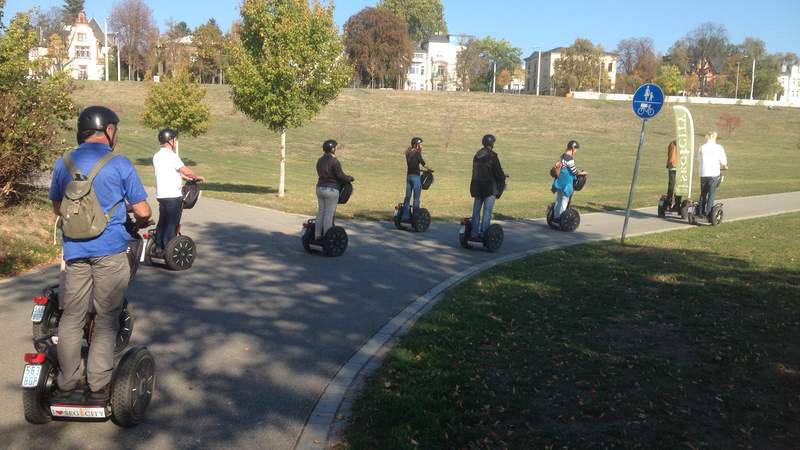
(570, 219)
(334, 242)
(419, 219)
(180, 252)
(714, 218)
(492, 238)
(681, 209)
(132, 382)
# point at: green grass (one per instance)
(680, 340)
(26, 238)
(240, 158)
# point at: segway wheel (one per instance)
(493, 238)
(308, 237)
(35, 401)
(463, 237)
(335, 241)
(570, 220)
(398, 217)
(132, 387)
(149, 250)
(662, 209)
(716, 215)
(48, 326)
(125, 328)
(421, 220)
(180, 253)
(550, 221)
(685, 210)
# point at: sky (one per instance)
(529, 24)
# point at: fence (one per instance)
(689, 100)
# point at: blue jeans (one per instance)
(708, 190)
(480, 225)
(562, 202)
(169, 217)
(413, 184)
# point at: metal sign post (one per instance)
(647, 102)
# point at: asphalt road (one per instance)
(247, 340)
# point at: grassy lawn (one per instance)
(681, 340)
(26, 236)
(240, 158)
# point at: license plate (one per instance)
(462, 230)
(78, 412)
(38, 313)
(30, 377)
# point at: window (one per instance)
(81, 37)
(440, 70)
(419, 55)
(610, 67)
(83, 74)
(82, 52)
(416, 69)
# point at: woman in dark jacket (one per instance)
(488, 182)
(413, 182)
(331, 178)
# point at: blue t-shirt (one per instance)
(117, 181)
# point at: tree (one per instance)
(47, 23)
(176, 103)
(33, 110)
(475, 62)
(176, 53)
(469, 64)
(581, 68)
(71, 9)
(503, 78)
(702, 53)
(670, 79)
(136, 33)
(729, 122)
(425, 18)
(287, 65)
(637, 62)
(377, 43)
(210, 45)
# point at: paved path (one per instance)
(247, 340)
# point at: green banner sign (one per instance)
(684, 136)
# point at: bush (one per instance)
(729, 122)
(176, 103)
(33, 111)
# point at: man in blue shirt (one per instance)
(97, 269)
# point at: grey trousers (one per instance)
(328, 199)
(104, 279)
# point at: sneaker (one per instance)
(102, 395)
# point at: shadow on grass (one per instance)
(643, 347)
(238, 188)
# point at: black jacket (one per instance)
(487, 174)
(413, 160)
(330, 172)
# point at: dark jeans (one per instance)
(413, 185)
(169, 217)
(708, 188)
(671, 199)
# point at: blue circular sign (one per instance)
(648, 100)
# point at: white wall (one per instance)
(689, 100)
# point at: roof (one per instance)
(561, 50)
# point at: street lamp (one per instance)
(753, 78)
(538, 67)
(105, 44)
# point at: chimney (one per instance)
(81, 19)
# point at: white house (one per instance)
(543, 76)
(790, 81)
(433, 67)
(84, 55)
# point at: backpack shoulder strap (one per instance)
(73, 171)
(99, 165)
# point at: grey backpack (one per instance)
(82, 217)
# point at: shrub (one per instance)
(729, 122)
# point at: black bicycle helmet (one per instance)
(573, 145)
(489, 140)
(166, 135)
(329, 146)
(93, 119)
(416, 141)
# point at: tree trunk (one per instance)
(282, 182)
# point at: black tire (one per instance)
(570, 220)
(398, 217)
(36, 401)
(48, 326)
(335, 241)
(180, 253)
(493, 238)
(463, 238)
(662, 209)
(125, 328)
(421, 220)
(308, 237)
(132, 387)
(550, 221)
(716, 216)
(148, 252)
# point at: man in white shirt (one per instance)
(712, 161)
(170, 172)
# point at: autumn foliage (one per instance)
(729, 122)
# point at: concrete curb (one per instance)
(317, 431)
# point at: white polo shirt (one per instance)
(712, 156)
(168, 180)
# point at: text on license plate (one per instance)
(30, 377)
(38, 313)
(78, 412)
